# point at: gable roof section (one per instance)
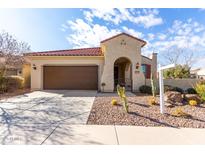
(146, 57)
(144, 43)
(96, 51)
(71, 52)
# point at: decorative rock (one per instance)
(173, 97)
(168, 105)
(195, 97)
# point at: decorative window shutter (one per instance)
(148, 71)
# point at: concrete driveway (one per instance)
(31, 118)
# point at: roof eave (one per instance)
(144, 42)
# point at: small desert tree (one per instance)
(11, 50)
(183, 58)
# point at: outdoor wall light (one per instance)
(34, 67)
(137, 66)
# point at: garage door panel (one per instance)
(71, 77)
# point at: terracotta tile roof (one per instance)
(71, 52)
(144, 43)
(96, 51)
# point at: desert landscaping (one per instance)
(181, 110)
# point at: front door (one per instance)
(116, 75)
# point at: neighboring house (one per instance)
(117, 60)
(11, 70)
(198, 73)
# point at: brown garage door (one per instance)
(70, 77)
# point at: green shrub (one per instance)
(191, 91)
(177, 89)
(2, 71)
(11, 83)
(200, 89)
(15, 82)
(3, 84)
(180, 113)
(180, 71)
(145, 89)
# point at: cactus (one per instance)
(153, 84)
(121, 93)
(125, 104)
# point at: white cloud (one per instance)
(181, 35)
(187, 34)
(150, 36)
(105, 14)
(149, 19)
(145, 17)
(162, 36)
(88, 35)
(133, 32)
(64, 26)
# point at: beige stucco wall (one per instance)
(26, 74)
(128, 74)
(154, 65)
(39, 62)
(181, 83)
(114, 50)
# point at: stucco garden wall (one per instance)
(39, 62)
(181, 83)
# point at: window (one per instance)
(143, 67)
(146, 69)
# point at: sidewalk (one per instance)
(124, 135)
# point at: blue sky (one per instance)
(51, 29)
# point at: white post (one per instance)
(161, 86)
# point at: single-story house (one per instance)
(198, 73)
(11, 69)
(117, 60)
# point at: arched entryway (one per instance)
(123, 73)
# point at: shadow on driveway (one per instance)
(30, 118)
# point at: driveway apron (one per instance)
(30, 118)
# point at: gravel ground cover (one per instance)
(142, 114)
